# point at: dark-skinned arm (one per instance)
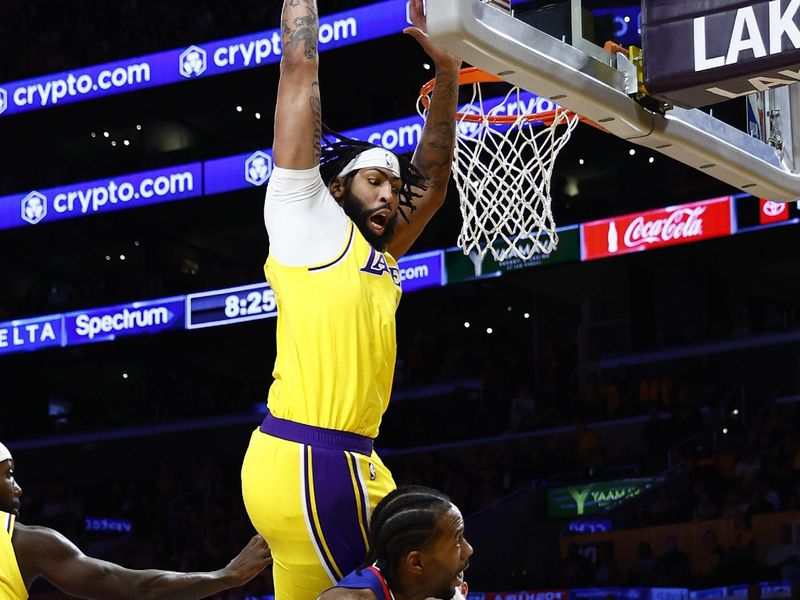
(298, 112)
(434, 154)
(43, 552)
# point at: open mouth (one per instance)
(378, 220)
(460, 576)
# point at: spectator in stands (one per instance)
(739, 563)
(576, 570)
(783, 559)
(655, 440)
(726, 459)
(672, 568)
(794, 497)
(523, 409)
(748, 466)
(589, 451)
(641, 571)
(704, 510)
(742, 534)
(605, 570)
(709, 559)
(732, 505)
(758, 501)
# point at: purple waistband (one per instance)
(316, 436)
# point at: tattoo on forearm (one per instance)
(316, 111)
(300, 28)
(435, 151)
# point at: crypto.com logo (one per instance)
(193, 61)
(469, 129)
(3, 101)
(258, 168)
(34, 208)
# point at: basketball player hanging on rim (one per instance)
(338, 215)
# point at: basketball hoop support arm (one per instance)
(498, 43)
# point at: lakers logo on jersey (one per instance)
(377, 265)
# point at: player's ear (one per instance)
(337, 188)
(413, 562)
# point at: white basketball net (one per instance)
(503, 174)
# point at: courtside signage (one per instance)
(238, 172)
(31, 334)
(657, 228)
(627, 21)
(109, 323)
(257, 301)
(588, 498)
(225, 56)
(106, 524)
(734, 50)
(772, 212)
(628, 593)
(529, 595)
(231, 305)
(195, 60)
(253, 302)
(253, 169)
(420, 271)
(102, 195)
(459, 267)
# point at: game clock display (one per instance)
(232, 305)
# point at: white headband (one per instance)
(4, 453)
(374, 157)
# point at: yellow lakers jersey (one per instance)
(12, 587)
(336, 338)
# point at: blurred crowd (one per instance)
(753, 469)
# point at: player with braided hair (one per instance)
(339, 213)
(339, 150)
(417, 550)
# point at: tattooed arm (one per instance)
(434, 153)
(298, 118)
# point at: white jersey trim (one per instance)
(305, 224)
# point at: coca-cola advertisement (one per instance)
(772, 212)
(656, 228)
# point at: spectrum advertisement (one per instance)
(417, 271)
(137, 318)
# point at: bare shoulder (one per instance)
(347, 594)
(38, 547)
(36, 534)
(31, 542)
